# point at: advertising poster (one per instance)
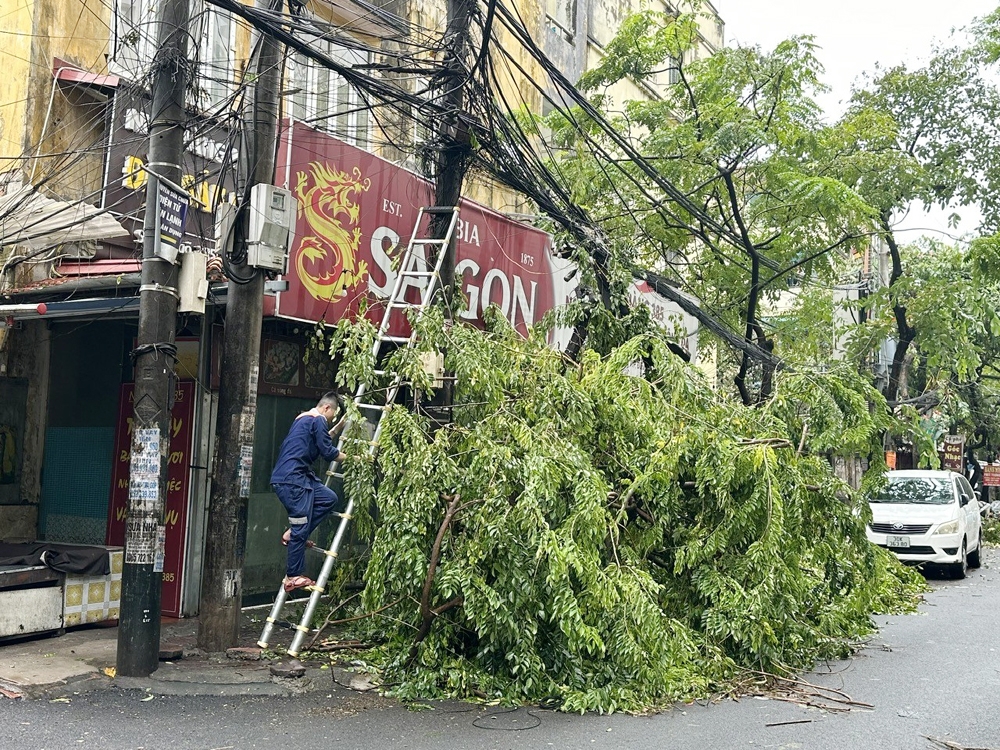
(166, 552)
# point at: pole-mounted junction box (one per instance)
(272, 227)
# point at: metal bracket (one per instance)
(172, 291)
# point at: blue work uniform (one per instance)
(307, 500)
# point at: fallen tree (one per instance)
(609, 534)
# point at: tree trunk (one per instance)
(904, 331)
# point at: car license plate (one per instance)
(897, 541)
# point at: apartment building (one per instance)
(74, 118)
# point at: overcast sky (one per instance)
(854, 35)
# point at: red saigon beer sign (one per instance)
(356, 214)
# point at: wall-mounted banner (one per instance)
(356, 215)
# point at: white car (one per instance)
(928, 516)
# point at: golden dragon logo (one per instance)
(326, 261)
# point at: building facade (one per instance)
(74, 114)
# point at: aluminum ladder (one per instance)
(414, 266)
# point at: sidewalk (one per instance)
(83, 659)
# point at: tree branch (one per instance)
(427, 613)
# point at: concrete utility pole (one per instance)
(221, 590)
(450, 165)
(142, 574)
(453, 137)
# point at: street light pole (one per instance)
(153, 357)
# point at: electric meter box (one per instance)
(272, 227)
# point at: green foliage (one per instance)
(926, 135)
(952, 301)
(739, 135)
(991, 532)
(617, 542)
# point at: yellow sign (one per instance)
(326, 261)
(204, 195)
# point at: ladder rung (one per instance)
(426, 240)
(376, 407)
(419, 274)
(394, 339)
(405, 305)
(439, 209)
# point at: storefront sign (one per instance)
(207, 169)
(357, 213)
(991, 475)
(175, 514)
(952, 456)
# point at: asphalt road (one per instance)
(935, 673)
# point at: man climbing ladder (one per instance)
(307, 499)
(419, 267)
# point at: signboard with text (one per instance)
(207, 168)
(178, 468)
(173, 207)
(356, 215)
(952, 455)
(991, 475)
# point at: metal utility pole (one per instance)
(153, 357)
(221, 591)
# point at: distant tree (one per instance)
(928, 137)
(739, 136)
(951, 297)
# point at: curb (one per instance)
(84, 683)
(178, 687)
(194, 683)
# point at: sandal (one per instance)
(287, 536)
(296, 582)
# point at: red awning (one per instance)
(70, 73)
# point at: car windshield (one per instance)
(918, 490)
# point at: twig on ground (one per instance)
(949, 745)
(331, 645)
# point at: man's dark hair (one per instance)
(330, 398)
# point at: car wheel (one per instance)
(976, 558)
(959, 569)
